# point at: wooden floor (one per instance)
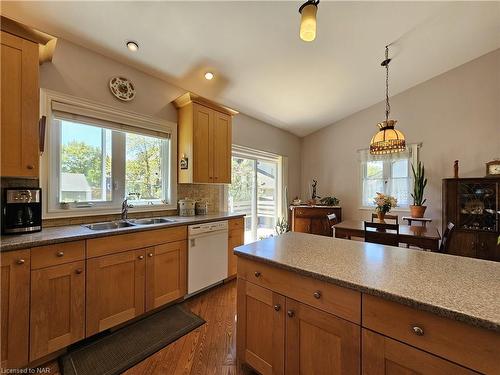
(210, 349)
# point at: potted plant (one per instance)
(384, 204)
(419, 184)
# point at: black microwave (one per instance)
(21, 210)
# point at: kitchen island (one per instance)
(312, 304)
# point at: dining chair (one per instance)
(387, 217)
(445, 241)
(382, 233)
(332, 220)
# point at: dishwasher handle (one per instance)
(192, 242)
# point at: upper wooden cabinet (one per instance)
(204, 140)
(15, 300)
(19, 107)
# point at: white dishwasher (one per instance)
(207, 255)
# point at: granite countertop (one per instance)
(459, 288)
(78, 232)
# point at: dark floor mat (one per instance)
(115, 352)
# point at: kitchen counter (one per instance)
(454, 287)
(78, 232)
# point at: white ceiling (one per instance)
(262, 67)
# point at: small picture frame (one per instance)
(184, 162)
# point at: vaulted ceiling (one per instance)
(262, 68)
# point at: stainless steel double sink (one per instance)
(107, 225)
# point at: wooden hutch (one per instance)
(473, 205)
(313, 219)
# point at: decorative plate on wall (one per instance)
(122, 88)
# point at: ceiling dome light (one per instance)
(308, 11)
(209, 76)
(132, 46)
(387, 140)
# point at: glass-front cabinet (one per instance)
(473, 205)
(478, 205)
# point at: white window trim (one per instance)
(112, 114)
(414, 159)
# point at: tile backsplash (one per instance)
(213, 194)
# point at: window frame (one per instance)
(50, 162)
(413, 157)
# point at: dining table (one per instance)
(424, 237)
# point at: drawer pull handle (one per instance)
(317, 294)
(150, 255)
(30, 166)
(141, 257)
(257, 274)
(78, 271)
(277, 307)
(20, 261)
(290, 313)
(60, 253)
(417, 330)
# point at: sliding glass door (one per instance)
(254, 192)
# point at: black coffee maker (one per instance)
(21, 210)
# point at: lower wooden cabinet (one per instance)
(278, 335)
(385, 356)
(320, 343)
(15, 299)
(261, 328)
(236, 237)
(115, 289)
(166, 270)
(57, 308)
(314, 220)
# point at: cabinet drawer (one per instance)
(236, 223)
(343, 302)
(473, 347)
(52, 255)
(137, 240)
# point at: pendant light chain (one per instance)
(387, 105)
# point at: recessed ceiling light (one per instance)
(209, 76)
(132, 46)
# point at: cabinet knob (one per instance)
(20, 261)
(317, 294)
(141, 257)
(30, 166)
(290, 313)
(277, 307)
(78, 271)
(150, 255)
(257, 274)
(60, 253)
(418, 330)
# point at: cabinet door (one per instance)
(463, 243)
(302, 224)
(384, 356)
(236, 238)
(19, 107)
(221, 143)
(203, 118)
(15, 298)
(166, 271)
(57, 308)
(487, 246)
(115, 289)
(320, 343)
(261, 328)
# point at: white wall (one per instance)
(455, 115)
(81, 72)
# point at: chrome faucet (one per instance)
(125, 207)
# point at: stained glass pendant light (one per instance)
(387, 140)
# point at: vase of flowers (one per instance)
(384, 204)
